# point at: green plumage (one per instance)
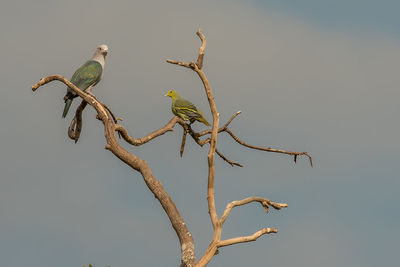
(185, 109)
(87, 76)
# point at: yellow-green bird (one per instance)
(184, 109)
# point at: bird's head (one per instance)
(102, 49)
(172, 94)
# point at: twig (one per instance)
(232, 163)
(183, 141)
(180, 63)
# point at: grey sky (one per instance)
(303, 83)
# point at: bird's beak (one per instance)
(166, 94)
(105, 53)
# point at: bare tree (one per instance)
(111, 127)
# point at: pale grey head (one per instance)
(101, 49)
(100, 54)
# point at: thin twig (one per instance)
(232, 163)
(183, 142)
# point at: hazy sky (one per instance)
(316, 76)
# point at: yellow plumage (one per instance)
(185, 109)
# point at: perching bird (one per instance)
(87, 76)
(185, 109)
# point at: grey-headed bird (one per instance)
(87, 76)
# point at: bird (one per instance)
(184, 109)
(87, 76)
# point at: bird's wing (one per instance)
(187, 108)
(87, 75)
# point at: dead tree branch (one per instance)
(111, 127)
(213, 141)
(216, 222)
(188, 257)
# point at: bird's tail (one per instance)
(203, 120)
(68, 103)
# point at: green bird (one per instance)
(184, 109)
(87, 76)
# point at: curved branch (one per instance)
(169, 127)
(263, 201)
(75, 128)
(140, 141)
(243, 239)
(187, 244)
